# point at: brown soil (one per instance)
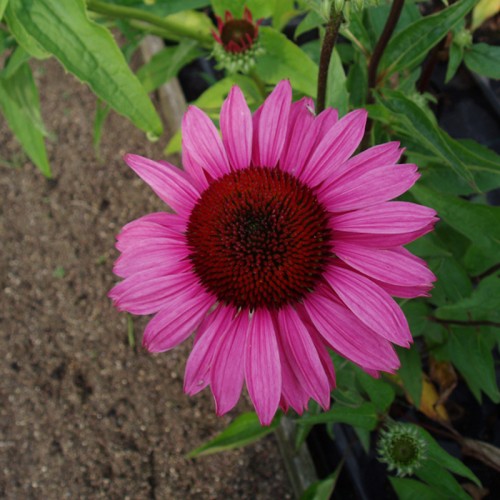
(83, 414)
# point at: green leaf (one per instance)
(336, 91)
(89, 52)
(411, 372)
(3, 5)
(163, 8)
(166, 64)
(283, 59)
(479, 223)
(419, 124)
(20, 104)
(380, 392)
(416, 312)
(21, 33)
(408, 48)
(470, 351)
(456, 57)
(244, 430)
(410, 489)
(311, 21)
(453, 283)
(484, 59)
(258, 8)
(357, 81)
(439, 456)
(441, 480)
(364, 416)
(483, 304)
(15, 61)
(322, 490)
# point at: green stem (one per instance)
(332, 31)
(259, 83)
(176, 28)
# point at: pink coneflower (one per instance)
(237, 43)
(281, 246)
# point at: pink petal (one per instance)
(237, 129)
(169, 183)
(391, 217)
(293, 392)
(324, 122)
(272, 124)
(338, 144)
(374, 157)
(177, 322)
(371, 304)
(406, 292)
(383, 240)
(255, 138)
(396, 266)
(148, 293)
(298, 145)
(163, 255)
(194, 170)
(306, 361)
(227, 374)
(348, 336)
(212, 328)
(203, 144)
(262, 366)
(366, 186)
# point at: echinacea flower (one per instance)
(281, 246)
(237, 45)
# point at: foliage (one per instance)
(459, 326)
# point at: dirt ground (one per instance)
(83, 414)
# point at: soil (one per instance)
(83, 413)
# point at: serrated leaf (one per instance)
(441, 480)
(436, 454)
(20, 104)
(479, 223)
(284, 60)
(364, 416)
(409, 48)
(165, 64)
(88, 51)
(470, 353)
(244, 430)
(420, 124)
(483, 303)
(483, 59)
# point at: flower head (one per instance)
(402, 449)
(282, 245)
(237, 43)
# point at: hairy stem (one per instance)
(332, 31)
(170, 26)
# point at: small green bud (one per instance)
(463, 38)
(401, 448)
